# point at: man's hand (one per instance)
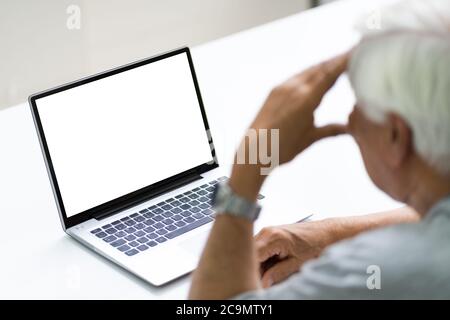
(290, 108)
(282, 250)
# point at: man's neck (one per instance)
(427, 188)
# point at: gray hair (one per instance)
(404, 67)
(408, 73)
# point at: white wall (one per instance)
(38, 51)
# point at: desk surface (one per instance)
(235, 74)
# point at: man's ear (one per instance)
(399, 140)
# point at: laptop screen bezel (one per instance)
(152, 188)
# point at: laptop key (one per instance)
(168, 221)
(188, 219)
(114, 223)
(161, 232)
(148, 215)
(130, 237)
(167, 207)
(193, 196)
(96, 230)
(179, 196)
(204, 199)
(134, 215)
(171, 227)
(210, 189)
(167, 214)
(152, 235)
(177, 217)
(139, 226)
(107, 226)
(131, 252)
(101, 234)
(176, 203)
(139, 219)
(149, 222)
(130, 230)
(158, 225)
(194, 203)
(161, 239)
(204, 205)
(123, 248)
(180, 223)
(213, 182)
(109, 238)
(118, 243)
(170, 200)
(198, 215)
(120, 226)
(130, 223)
(175, 210)
(125, 219)
(111, 230)
(149, 229)
(185, 206)
(157, 210)
(188, 227)
(134, 243)
(142, 247)
(140, 233)
(208, 211)
(196, 189)
(194, 210)
(185, 200)
(152, 243)
(186, 213)
(187, 193)
(142, 240)
(152, 207)
(143, 211)
(120, 234)
(161, 203)
(204, 185)
(158, 218)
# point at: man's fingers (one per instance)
(326, 70)
(330, 130)
(266, 250)
(279, 272)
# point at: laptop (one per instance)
(132, 164)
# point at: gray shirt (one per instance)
(406, 261)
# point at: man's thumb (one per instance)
(279, 272)
(330, 131)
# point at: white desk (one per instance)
(235, 75)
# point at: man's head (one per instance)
(402, 118)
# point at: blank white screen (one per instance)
(119, 134)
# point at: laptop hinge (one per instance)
(188, 178)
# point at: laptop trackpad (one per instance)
(195, 244)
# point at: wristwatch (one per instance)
(225, 201)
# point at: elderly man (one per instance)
(401, 123)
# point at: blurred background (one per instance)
(48, 42)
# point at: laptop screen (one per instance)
(121, 133)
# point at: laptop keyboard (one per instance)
(161, 222)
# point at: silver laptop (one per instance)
(132, 164)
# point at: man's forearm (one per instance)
(347, 227)
(228, 265)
